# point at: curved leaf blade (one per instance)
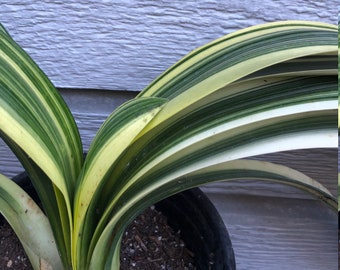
(30, 225)
(38, 122)
(239, 54)
(306, 119)
(233, 116)
(117, 132)
(31, 108)
(225, 171)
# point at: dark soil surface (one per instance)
(148, 244)
(12, 255)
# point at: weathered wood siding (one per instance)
(125, 44)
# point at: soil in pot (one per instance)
(152, 242)
(148, 243)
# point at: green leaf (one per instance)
(47, 195)
(30, 225)
(224, 171)
(3, 29)
(36, 121)
(237, 55)
(249, 119)
(35, 116)
(266, 103)
(117, 132)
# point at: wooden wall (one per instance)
(124, 44)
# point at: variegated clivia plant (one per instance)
(267, 88)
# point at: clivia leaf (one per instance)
(113, 138)
(35, 120)
(225, 171)
(30, 225)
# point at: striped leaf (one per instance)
(229, 129)
(237, 55)
(48, 199)
(225, 171)
(249, 108)
(117, 132)
(22, 213)
(36, 121)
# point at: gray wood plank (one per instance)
(279, 233)
(126, 44)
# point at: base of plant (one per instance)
(184, 231)
(148, 243)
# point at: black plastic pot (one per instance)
(201, 227)
(192, 213)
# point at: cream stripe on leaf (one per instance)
(239, 169)
(21, 212)
(35, 119)
(112, 139)
(197, 109)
